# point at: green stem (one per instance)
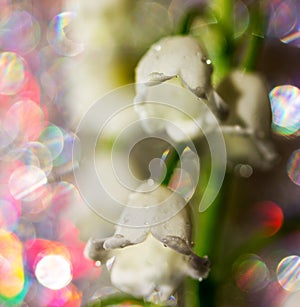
(188, 19)
(257, 27)
(171, 160)
(206, 232)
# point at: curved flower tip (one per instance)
(247, 129)
(177, 56)
(151, 260)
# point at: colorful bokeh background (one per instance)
(56, 59)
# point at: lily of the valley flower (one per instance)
(247, 130)
(171, 57)
(245, 120)
(150, 261)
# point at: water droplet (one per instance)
(110, 262)
(157, 47)
(154, 297)
(150, 182)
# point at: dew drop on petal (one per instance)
(288, 273)
(285, 105)
(12, 73)
(58, 35)
(52, 137)
(110, 262)
(54, 271)
(157, 47)
(293, 167)
(251, 273)
(25, 181)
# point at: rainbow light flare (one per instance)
(293, 167)
(40, 255)
(251, 273)
(288, 273)
(58, 38)
(285, 105)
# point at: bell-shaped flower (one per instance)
(174, 58)
(247, 130)
(245, 120)
(150, 261)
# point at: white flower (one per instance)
(245, 121)
(247, 130)
(172, 57)
(150, 261)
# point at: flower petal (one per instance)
(94, 250)
(198, 267)
(125, 237)
(176, 232)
